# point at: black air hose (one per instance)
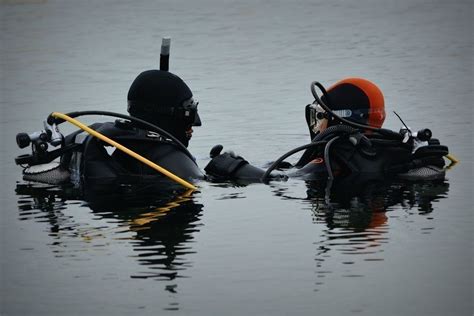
(329, 132)
(291, 152)
(146, 124)
(327, 160)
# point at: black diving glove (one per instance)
(228, 166)
(224, 166)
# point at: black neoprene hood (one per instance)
(157, 97)
(157, 88)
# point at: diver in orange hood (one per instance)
(347, 139)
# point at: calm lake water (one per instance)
(278, 249)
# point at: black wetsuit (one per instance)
(94, 160)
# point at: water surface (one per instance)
(278, 249)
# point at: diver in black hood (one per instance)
(163, 113)
(164, 100)
(139, 148)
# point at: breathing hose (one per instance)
(327, 159)
(319, 139)
(124, 149)
(291, 152)
(146, 124)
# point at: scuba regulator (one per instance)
(39, 145)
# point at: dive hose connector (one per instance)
(55, 137)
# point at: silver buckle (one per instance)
(153, 135)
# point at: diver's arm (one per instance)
(228, 166)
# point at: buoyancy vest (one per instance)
(94, 160)
(373, 155)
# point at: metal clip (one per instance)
(153, 135)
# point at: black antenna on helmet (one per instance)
(165, 53)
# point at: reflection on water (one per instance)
(159, 227)
(356, 215)
(44, 203)
(164, 237)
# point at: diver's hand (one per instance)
(229, 166)
(216, 150)
(225, 165)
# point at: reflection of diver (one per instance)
(49, 202)
(162, 225)
(356, 219)
(362, 199)
(164, 236)
(347, 139)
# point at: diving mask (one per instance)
(186, 113)
(317, 118)
(190, 112)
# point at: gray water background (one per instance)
(254, 250)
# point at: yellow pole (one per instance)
(125, 150)
(452, 158)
